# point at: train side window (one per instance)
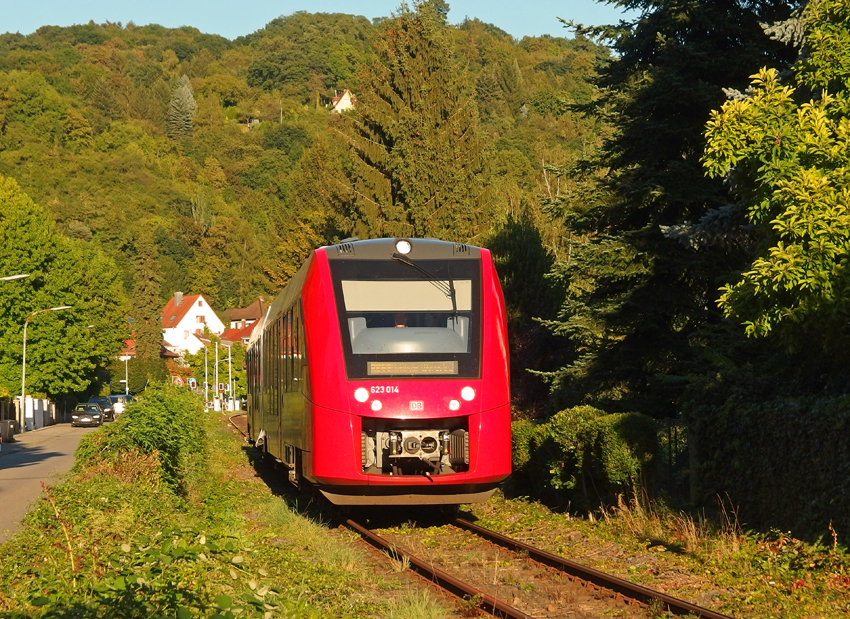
(268, 353)
(302, 336)
(276, 362)
(283, 365)
(289, 350)
(282, 358)
(296, 361)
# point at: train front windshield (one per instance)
(398, 321)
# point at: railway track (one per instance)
(600, 592)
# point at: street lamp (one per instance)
(126, 381)
(24, 365)
(206, 379)
(10, 278)
(229, 380)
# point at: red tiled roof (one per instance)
(173, 314)
(130, 349)
(252, 312)
(339, 97)
(236, 335)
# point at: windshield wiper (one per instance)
(449, 290)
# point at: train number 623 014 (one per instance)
(384, 389)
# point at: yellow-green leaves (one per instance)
(789, 160)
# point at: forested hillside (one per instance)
(203, 175)
(666, 200)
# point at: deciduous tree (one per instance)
(786, 148)
(64, 348)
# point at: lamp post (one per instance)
(126, 381)
(21, 419)
(10, 278)
(217, 398)
(229, 381)
(206, 378)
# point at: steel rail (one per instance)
(445, 580)
(600, 579)
(230, 421)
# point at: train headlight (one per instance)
(468, 394)
(454, 405)
(403, 246)
(361, 395)
(376, 405)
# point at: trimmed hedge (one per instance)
(783, 463)
(165, 422)
(583, 457)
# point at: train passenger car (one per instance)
(380, 374)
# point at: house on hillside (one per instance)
(241, 334)
(183, 322)
(242, 316)
(242, 322)
(129, 350)
(342, 101)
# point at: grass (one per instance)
(128, 536)
(120, 539)
(414, 604)
(712, 562)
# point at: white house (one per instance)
(343, 101)
(183, 321)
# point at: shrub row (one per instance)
(117, 539)
(166, 423)
(783, 463)
(582, 457)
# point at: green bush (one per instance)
(583, 457)
(165, 422)
(521, 432)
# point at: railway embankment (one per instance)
(166, 514)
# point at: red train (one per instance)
(380, 374)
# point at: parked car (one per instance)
(105, 405)
(88, 414)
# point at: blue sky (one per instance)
(232, 19)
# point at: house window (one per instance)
(200, 319)
(200, 304)
(185, 335)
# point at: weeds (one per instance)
(712, 561)
(64, 524)
(470, 605)
(415, 604)
(145, 529)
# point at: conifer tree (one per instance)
(147, 323)
(181, 110)
(417, 157)
(636, 301)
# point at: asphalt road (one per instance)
(44, 455)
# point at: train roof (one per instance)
(383, 249)
(367, 249)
